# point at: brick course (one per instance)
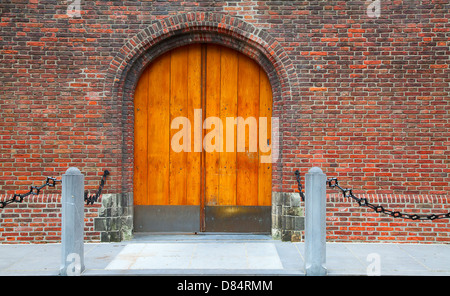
(347, 222)
(38, 220)
(364, 98)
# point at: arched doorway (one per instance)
(201, 131)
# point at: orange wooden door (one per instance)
(208, 87)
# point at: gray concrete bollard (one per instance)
(315, 227)
(72, 230)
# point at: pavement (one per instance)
(226, 254)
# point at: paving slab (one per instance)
(227, 255)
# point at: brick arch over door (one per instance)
(172, 32)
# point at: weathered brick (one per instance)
(353, 95)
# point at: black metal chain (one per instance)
(299, 183)
(51, 182)
(364, 202)
(90, 199)
(34, 190)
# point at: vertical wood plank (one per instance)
(212, 110)
(228, 108)
(265, 169)
(158, 131)
(193, 161)
(248, 108)
(178, 107)
(203, 154)
(234, 85)
(140, 141)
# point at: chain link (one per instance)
(51, 182)
(34, 190)
(364, 202)
(90, 199)
(299, 183)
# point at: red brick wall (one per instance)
(38, 220)
(348, 222)
(364, 98)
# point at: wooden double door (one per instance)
(195, 164)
